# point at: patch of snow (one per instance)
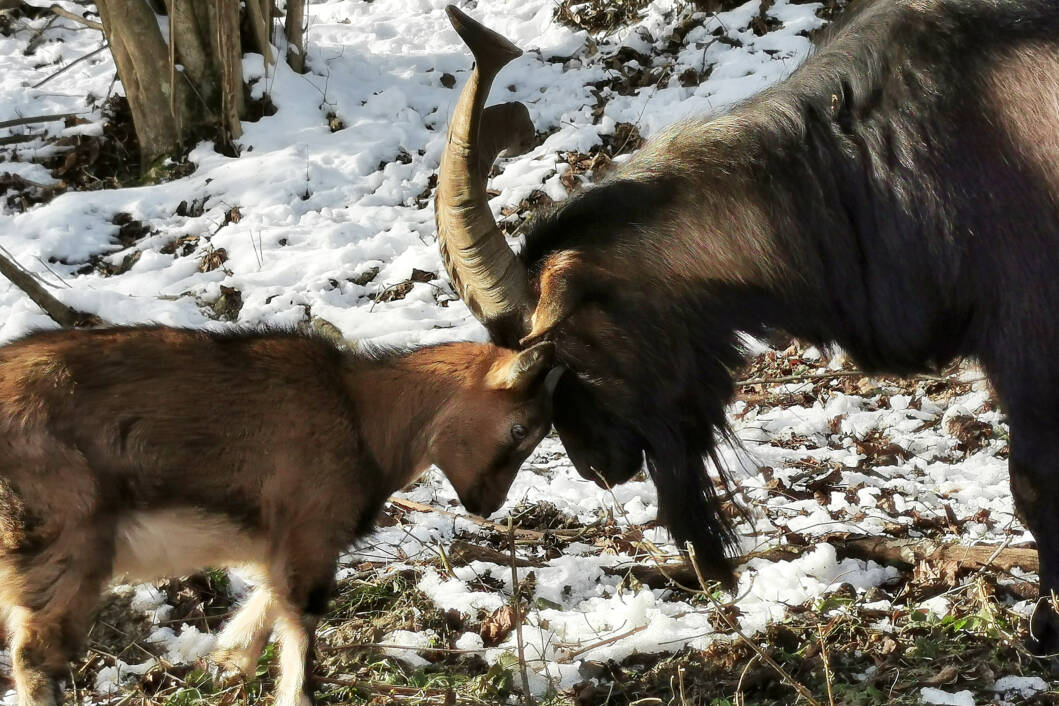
(407, 638)
(931, 695)
(1018, 686)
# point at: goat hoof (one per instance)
(1043, 639)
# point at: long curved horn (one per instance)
(483, 269)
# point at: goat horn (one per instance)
(483, 269)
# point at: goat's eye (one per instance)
(518, 432)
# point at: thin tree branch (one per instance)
(516, 600)
(531, 534)
(76, 18)
(69, 66)
(807, 377)
(16, 139)
(61, 314)
(733, 625)
(567, 658)
(37, 119)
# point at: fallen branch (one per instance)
(913, 551)
(75, 17)
(516, 603)
(569, 657)
(351, 646)
(37, 119)
(69, 66)
(462, 553)
(495, 526)
(60, 313)
(27, 137)
(835, 374)
(393, 691)
(883, 550)
(7, 179)
(658, 575)
(733, 625)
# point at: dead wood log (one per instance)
(905, 553)
(910, 552)
(884, 550)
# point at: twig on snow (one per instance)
(386, 646)
(394, 691)
(54, 274)
(808, 377)
(784, 674)
(15, 139)
(496, 526)
(75, 17)
(516, 600)
(602, 643)
(37, 119)
(69, 66)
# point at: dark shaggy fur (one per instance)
(898, 195)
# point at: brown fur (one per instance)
(1024, 87)
(148, 452)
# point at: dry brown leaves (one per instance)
(498, 625)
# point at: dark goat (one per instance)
(898, 195)
(152, 452)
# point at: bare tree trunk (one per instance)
(295, 28)
(169, 104)
(142, 59)
(189, 23)
(224, 21)
(260, 15)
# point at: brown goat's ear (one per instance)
(522, 369)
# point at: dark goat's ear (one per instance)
(521, 369)
(551, 381)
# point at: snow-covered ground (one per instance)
(318, 211)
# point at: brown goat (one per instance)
(150, 452)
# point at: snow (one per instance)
(407, 638)
(937, 696)
(318, 209)
(1021, 687)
